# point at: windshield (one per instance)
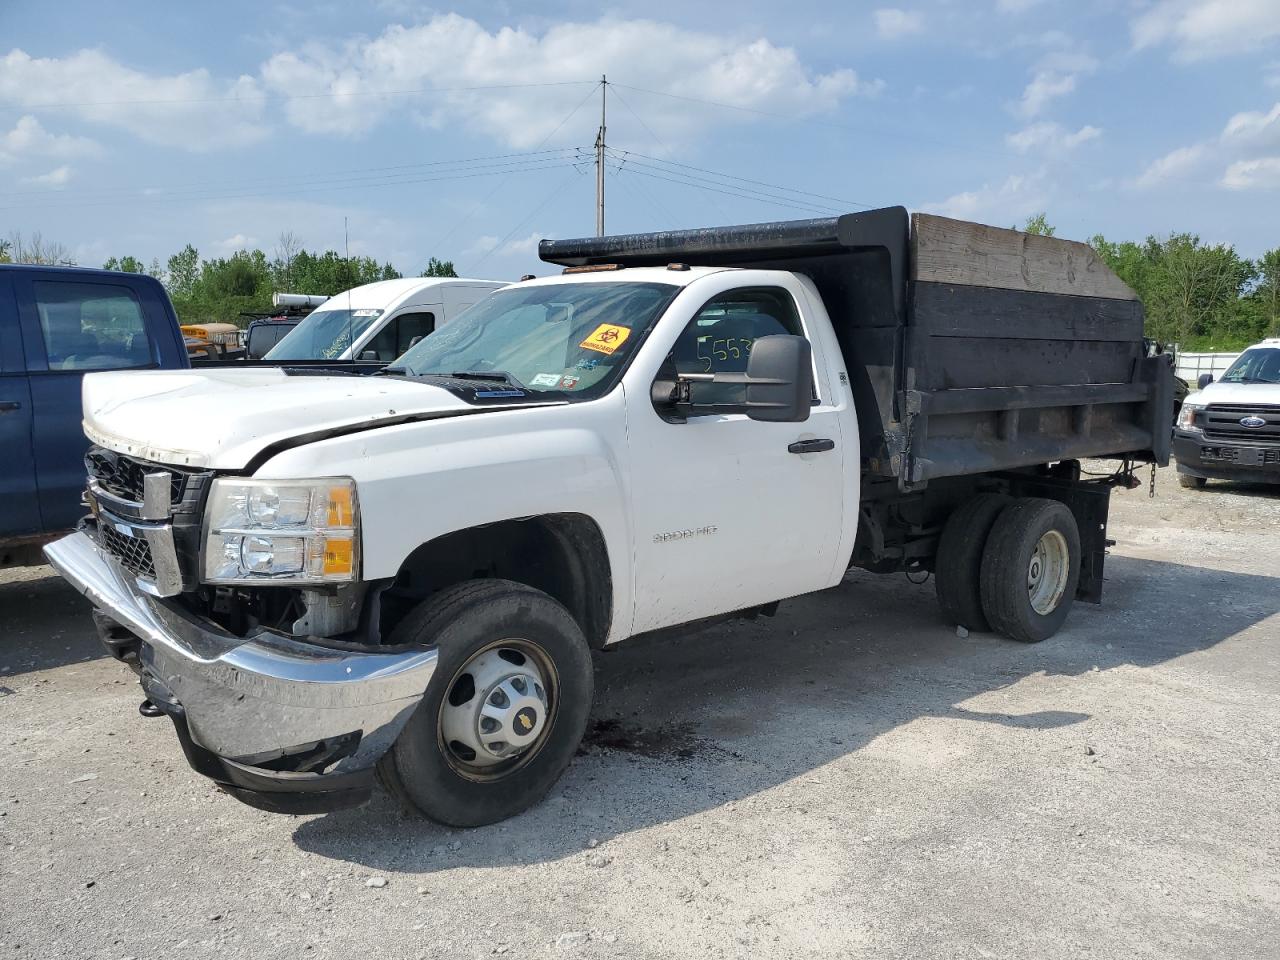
(1259, 365)
(572, 338)
(324, 335)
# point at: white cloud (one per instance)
(1048, 135)
(58, 177)
(1247, 150)
(1252, 129)
(189, 110)
(454, 52)
(1013, 200)
(29, 139)
(1201, 29)
(1176, 164)
(1056, 75)
(235, 242)
(526, 246)
(892, 23)
(1263, 173)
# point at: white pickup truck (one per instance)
(1230, 429)
(407, 573)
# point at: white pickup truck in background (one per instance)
(1229, 429)
(408, 572)
(379, 321)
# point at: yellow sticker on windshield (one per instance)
(606, 338)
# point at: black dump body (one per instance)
(969, 349)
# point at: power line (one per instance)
(527, 217)
(488, 196)
(270, 98)
(741, 196)
(761, 183)
(542, 165)
(885, 130)
(321, 177)
(748, 192)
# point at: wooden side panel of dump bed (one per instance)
(1021, 349)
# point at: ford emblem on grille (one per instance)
(1253, 422)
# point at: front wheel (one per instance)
(505, 710)
(1030, 569)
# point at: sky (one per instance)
(465, 132)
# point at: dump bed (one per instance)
(969, 348)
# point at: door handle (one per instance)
(7, 405)
(811, 446)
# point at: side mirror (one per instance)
(415, 341)
(1204, 380)
(778, 381)
(369, 355)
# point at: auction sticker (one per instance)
(545, 380)
(606, 338)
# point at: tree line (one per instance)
(207, 290)
(1200, 296)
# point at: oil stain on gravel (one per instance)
(674, 741)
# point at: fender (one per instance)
(421, 480)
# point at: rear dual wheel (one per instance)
(1009, 565)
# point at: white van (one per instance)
(380, 321)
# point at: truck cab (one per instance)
(1229, 429)
(56, 325)
(379, 321)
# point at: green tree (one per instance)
(439, 268)
(183, 271)
(1267, 293)
(5, 247)
(1039, 226)
(125, 264)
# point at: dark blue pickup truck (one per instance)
(56, 325)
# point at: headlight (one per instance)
(1187, 416)
(299, 531)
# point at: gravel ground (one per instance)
(849, 778)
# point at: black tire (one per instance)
(1005, 561)
(461, 621)
(1190, 482)
(958, 565)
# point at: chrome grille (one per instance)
(134, 554)
(148, 517)
(123, 475)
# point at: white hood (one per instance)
(1237, 393)
(222, 418)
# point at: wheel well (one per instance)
(561, 554)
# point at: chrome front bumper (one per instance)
(252, 700)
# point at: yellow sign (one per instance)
(606, 338)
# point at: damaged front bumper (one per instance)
(280, 723)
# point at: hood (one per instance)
(1236, 393)
(222, 418)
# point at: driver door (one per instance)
(729, 517)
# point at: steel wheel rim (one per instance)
(506, 693)
(1047, 572)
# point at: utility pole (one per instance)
(604, 91)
